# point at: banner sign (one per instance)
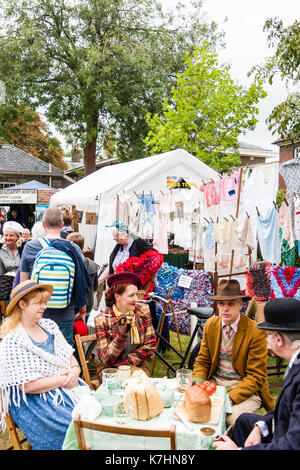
(18, 196)
(179, 182)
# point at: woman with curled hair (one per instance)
(125, 335)
(11, 251)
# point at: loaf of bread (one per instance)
(197, 405)
(141, 398)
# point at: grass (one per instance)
(160, 370)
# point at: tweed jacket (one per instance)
(284, 421)
(249, 359)
(111, 346)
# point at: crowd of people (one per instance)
(55, 286)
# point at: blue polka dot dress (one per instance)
(43, 423)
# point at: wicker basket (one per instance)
(6, 283)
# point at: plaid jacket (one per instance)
(111, 346)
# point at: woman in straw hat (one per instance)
(39, 375)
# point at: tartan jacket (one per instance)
(111, 346)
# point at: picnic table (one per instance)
(186, 439)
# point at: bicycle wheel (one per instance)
(92, 359)
(194, 355)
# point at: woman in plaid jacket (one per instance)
(125, 335)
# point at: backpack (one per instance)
(53, 266)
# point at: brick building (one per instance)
(286, 152)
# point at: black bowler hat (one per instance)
(124, 278)
(281, 315)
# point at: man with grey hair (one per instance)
(52, 223)
(280, 428)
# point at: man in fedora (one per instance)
(234, 353)
(280, 428)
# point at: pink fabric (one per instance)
(285, 222)
(211, 193)
(229, 185)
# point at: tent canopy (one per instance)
(33, 184)
(97, 192)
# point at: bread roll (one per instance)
(141, 397)
(197, 405)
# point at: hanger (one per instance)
(247, 214)
(232, 217)
(257, 211)
(206, 220)
(275, 205)
(285, 200)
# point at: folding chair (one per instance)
(13, 434)
(80, 425)
(80, 340)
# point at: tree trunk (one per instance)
(89, 155)
(89, 151)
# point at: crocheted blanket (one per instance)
(285, 282)
(258, 281)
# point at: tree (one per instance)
(24, 129)
(97, 66)
(285, 117)
(206, 113)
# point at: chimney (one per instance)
(75, 156)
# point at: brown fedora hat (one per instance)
(229, 290)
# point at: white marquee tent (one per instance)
(98, 191)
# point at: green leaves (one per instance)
(285, 62)
(206, 112)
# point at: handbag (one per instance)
(6, 283)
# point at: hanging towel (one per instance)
(268, 236)
(285, 223)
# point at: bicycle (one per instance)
(202, 313)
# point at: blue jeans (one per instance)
(67, 328)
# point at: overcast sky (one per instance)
(246, 46)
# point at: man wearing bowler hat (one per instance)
(234, 353)
(280, 428)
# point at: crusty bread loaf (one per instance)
(197, 405)
(141, 397)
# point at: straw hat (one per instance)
(23, 289)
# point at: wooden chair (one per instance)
(80, 340)
(80, 425)
(14, 437)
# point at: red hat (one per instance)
(80, 328)
(124, 278)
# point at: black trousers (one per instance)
(243, 426)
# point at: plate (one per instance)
(207, 431)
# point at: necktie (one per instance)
(227, 334)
